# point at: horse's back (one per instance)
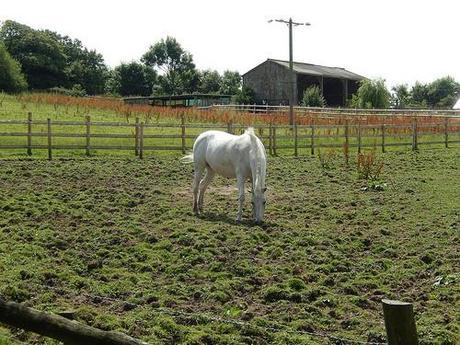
(221, 151)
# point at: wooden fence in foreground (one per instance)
(398, 316)
(310, 137)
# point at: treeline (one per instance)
(441, 93)
(45, 60)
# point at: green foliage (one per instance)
(76, 91)
(11, 77)
(40, 56)
(312, 97)
(131, 79)
(371, 94)
(230, 83)
(245, 96)
(400, 98)
(179, 74)
(51, 60)
(210, 82)
(443, 93)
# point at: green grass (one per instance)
(333, 246)
(15, 108)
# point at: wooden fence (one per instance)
(310, 137)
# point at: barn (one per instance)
(270, 82)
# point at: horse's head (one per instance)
(258, 204)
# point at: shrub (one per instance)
(312, 97)
(371, 94)
(368, 166)
(11, 77)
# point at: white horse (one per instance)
(241, 156)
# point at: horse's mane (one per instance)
(256, 150)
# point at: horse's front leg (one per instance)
(240, 184)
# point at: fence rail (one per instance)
(267, 109)
(312, 137)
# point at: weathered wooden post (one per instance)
(399, 323)
(50, 156)
(182, 119)
(359, 136)
(383, 137)
(230, 127)
(414, 135)
(88, 134)
(347, 141)
(270, 139)
(446, 132)
(67, 331)
(274, 141)
(295, 140)
(29, 133)
(141, 141)
(136, 137)
(312, 126)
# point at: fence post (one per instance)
(346, 134)
(141, 141)
(29, 133)
(136, 137)
(312, 139)
(230, 127)
(88, 133)
(50, 156)
(446, 132)
(359, 136)
(182, 119)
(383, 138)
(270, 139)
(414, 135)
(399, 323)
(295, 140)
(274, 141)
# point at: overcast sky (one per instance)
(399, 40)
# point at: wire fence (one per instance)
(276, 328)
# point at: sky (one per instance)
(400, 41)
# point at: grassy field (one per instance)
(102, 110)
(114, 239)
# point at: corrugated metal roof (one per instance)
(318, 70)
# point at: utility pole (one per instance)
(292, 80)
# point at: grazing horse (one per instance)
(241, 156)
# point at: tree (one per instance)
(84, 67)
(230, 83)
(443, 93)
(371, 94)
(11, 77)
(401, 96)
(178, 70)
(40, 56)
(312, 97)
(131, 79)
(419, 95)
(245, 96)
(210, 82)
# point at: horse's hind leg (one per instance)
(195, 187)
(203, 185)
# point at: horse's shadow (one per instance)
(220, 217)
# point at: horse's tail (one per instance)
(250, 130)
(187, 159)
